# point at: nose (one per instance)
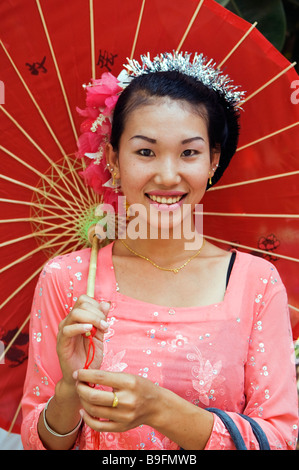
(167, 172)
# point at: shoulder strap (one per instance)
(259, 433)
(230, 266)
(231, 427)
(235, 433)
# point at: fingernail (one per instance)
(104, 324)
(75, 375)
(105, 305)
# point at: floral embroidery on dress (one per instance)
(108, 335)
(206, 378)
(178, 342)
(112, 362)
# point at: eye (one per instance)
(189, 153)
(146, 152)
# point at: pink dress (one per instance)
(236, 355)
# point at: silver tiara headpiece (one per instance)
(202, 69)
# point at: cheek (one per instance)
(133, 173)
(131, 183)
(198, 176)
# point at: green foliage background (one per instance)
(278, 21)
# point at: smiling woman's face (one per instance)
(164, 158)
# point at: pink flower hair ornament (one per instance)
(101, 97)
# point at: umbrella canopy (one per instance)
(48, 50)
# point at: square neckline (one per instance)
(129, 299)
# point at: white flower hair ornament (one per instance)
(202, 69)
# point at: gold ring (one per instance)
(115, 400)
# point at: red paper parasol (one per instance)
(48, 50)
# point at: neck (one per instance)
(168, 243)
(166, 252)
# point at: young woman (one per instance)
(177, 331)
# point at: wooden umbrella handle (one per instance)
(93, 263)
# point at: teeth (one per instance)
(165, 200)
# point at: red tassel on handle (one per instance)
(91, 348)
(89, 358)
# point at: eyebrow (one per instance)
(187, 141)
(143, 137)
(153, 141)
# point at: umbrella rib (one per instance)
(58, 74)
(40, 207)
(19, 288)
(137, 30)
(74, 174)
(268, 136)
(15, 416)
(237, 45)
(33, 99)
(53, 184)
(57, 68)
(268, 83)
(200, 3)
(92, 45)
(40, 191)
(45, 207)
(35, 234)
(36, 250)
(29, 219)
(257, 180)
(31, 140)
(12, 221)
(77, 178)
(245, 247)
(234, 214)
(85, 195)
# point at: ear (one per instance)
(112, 160)
(215, 157)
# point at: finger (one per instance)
(87, 302)
(100, 398)
(98, 403)
(105, 307)
(101, 425)
(115, 380)
(78, 328)
(84, 298)
(92, 315)
(85, 329)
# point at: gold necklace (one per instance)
(173, 270)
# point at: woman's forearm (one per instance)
(182, 422)
(62, 416)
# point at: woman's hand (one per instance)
(72, 347)
(138, 400)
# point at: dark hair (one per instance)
(222, 118)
